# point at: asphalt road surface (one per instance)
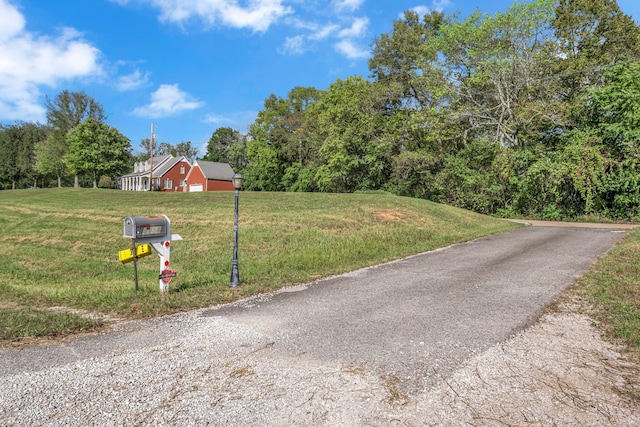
(414, 321)
(417, 319)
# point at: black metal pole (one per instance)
(235, 275)
(135, 262)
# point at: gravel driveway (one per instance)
(449, 337)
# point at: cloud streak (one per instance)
(258, 15)
(132, 81)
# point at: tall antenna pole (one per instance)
(153, 136)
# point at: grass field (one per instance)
(59, 249)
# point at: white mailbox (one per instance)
(155, 230)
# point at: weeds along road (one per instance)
(341, 350)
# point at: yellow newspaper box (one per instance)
(126, 255)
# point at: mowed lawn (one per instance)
(60, 248)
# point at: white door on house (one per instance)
(195, 187)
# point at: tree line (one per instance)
(75, 147)
(533, 111)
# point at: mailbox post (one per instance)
(156, 231)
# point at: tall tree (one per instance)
(279, 143)
(405, 61)
(591, 34)
(97, 149)
(497, 68)
(219, 144)
(356, 148)
(185, 149)
(48, 154)
(17, 143)
(66, 111)
(144, 149)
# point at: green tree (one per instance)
(48, 155)
(263, 172)
(97, 149)
(185, 149)
(66, 111)
(613, 109)
(356, 148)
(163, 149)
(17, 146)
(497, 67)
(609, 179)
(590, 34)
(279, 148)
(159, 149)
(219, 144)
(405, 62)
(237, 155)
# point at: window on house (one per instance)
(183, 183)
(181, 169)
(167, 184)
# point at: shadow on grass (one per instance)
(184, 286)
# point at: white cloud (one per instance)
(132, 81)
(357, 29)
(300, 44)
(440, 5)
(347, 39)
(437, 5)
(348, 44)
(349, 49)
(238, 120)
(11, 21)
(293, 45)
(323, 32)
(350, 5)
(28, 62)
(168, 100)
(257, 15)
(420, 10)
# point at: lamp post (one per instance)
(235, 275)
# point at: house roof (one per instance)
(215, 170)
(158, 162)
(164, 167)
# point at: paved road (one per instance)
(417, 319)
(412, 321)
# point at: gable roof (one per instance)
(158, 162)
(215, 170)
(167, 165)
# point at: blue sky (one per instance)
(191, 66)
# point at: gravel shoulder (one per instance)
(557, 372)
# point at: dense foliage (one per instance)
(533, 111)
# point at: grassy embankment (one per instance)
(59, 248)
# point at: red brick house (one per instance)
(172, 174)
(209, 176)
(169, 174)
